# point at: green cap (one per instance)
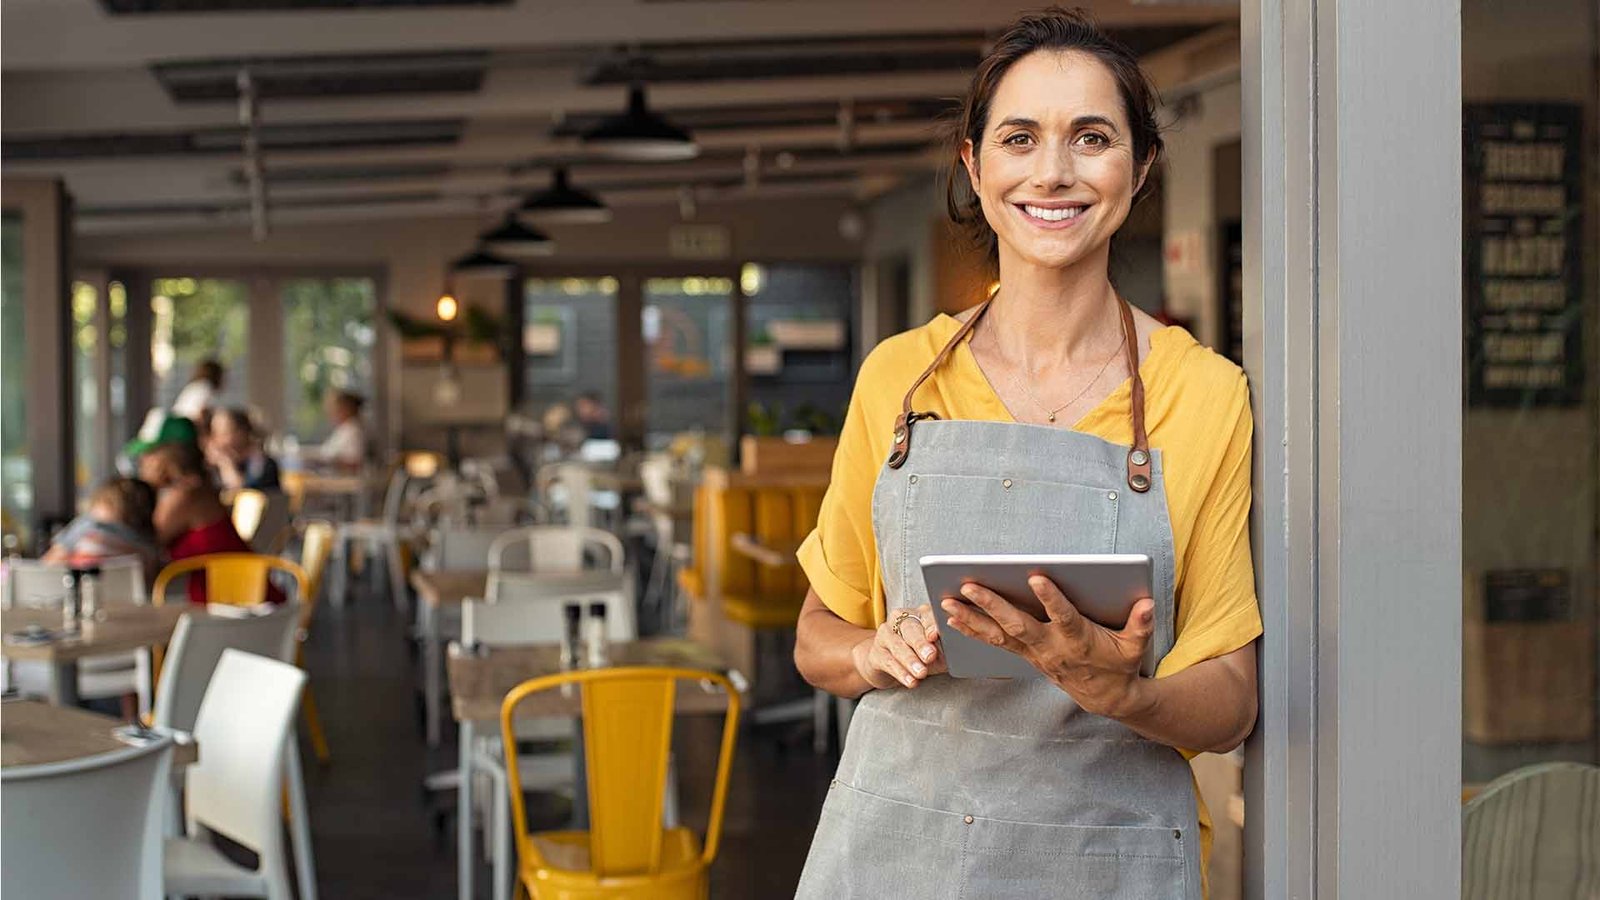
(170, 429)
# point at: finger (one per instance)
(1016, 624)
(976, 624)
(1056, 604)
(928, 649)
(903, 653)
(885, 662)
(1141, 624)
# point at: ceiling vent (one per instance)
(314, 77)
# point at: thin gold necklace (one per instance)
(1050, 413)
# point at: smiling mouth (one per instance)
(1052, 214)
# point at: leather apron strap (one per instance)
(1138, 455)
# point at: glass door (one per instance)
(193, 320)
(687, 325)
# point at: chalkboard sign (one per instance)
(1522, 217)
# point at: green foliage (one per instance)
(763, 422)
(328, 340)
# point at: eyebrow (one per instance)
(1079, 122)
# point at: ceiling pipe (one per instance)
(254, 169)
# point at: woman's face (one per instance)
(1055, 172)
(227, 437)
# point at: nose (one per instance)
(1053, 167)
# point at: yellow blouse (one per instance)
(1197, 413)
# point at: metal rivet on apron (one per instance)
(1111, 495)
(1140, 482)
(1139, 457)
(899, 437)
(1177, 835)
(1006, 484)
(913, 479)
(967, 819)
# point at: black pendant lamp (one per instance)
(482, 264)
(640, 134)
(561, 202)
(513, 238)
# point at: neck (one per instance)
(1046, 318)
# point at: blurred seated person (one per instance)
(592, 414)
(118, 523)
(200, 394)
(190, 519)
(235, 452)
(346, 446)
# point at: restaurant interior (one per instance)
(515, 337)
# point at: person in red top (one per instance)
(190, 518)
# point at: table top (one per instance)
(449, 587)
(118, 628)
(34, 734)
(479, 682)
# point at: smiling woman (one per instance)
(1050, 418)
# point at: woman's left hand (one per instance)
(1097, 667)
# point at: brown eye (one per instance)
(1018, 139)
(1094, 139)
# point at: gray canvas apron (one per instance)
(996, 788)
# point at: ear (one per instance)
(970, 160)
(1144, 172)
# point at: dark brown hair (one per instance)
(238, 416)
(208, 370)
(132, 501)
(1059, 30)
(185, 457)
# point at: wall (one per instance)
(415, 254)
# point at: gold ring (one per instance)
(900, 619)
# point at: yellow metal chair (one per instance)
(316, 544)
(627, 731)
(232, 579)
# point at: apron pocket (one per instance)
(874, 848)
(1076, 862)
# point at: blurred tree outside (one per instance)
(195, 318)
(16, 468)
(328, 334)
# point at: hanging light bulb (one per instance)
(561, 202)
(447, 307)
(640, 134)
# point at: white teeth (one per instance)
(1053, 215)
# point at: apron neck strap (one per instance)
(1138, 455)
(908, 418)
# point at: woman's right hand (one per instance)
(888, 659)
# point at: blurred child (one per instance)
(118, 523)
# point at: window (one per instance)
(687, 327)
(16, 468)
(90, 456)
(569, 340)
(194, 319)
(328, 338)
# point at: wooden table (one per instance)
(448, 588)
(115, 629)
(479, 683)
(33, 734)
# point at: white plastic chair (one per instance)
(260, 517)
(568, 488)
(85, 828)
(34, 584)
(551, 548)
(409, 480)
(236, 789)
(193, 658)
(514, 619)
(1533, 834)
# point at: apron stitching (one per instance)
(1030, 737)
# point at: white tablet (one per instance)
(1103, 587)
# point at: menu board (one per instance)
(1523, 223)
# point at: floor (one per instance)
(376, 835)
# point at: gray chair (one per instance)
(1533, 834)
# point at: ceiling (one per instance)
(445, 106)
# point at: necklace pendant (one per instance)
(1050, 418)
